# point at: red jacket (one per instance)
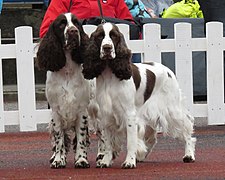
(84, 9)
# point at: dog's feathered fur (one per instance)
(134, 100)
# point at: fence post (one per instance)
(183, 61)
(25, 78)
(215, 73)
(88, 29)
(152, 40)
(124, 28)
(2, 121)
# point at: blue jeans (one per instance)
(136, 58)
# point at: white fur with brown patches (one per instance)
(69, 96)
(126, 113)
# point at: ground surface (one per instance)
(26, 156)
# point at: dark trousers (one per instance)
(213, 10)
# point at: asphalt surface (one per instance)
(26, 156)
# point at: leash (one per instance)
(101, 13)
(71, 2)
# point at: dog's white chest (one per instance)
(113, 98)
(67, 92)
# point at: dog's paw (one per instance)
(81, 163)
(130, 162)
(104, 160)
(57, 162)
(102, 165)
(188, 159)
(128, 165)
(99, 157)
(57, 165)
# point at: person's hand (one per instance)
(151, 12)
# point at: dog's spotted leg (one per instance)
(58, 159)
(105, 154)
(130, 161)
(101, 148)
(82, 142)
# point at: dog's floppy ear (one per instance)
(121, 65)
(93, 65)
(50, 55)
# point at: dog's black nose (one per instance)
(72, 31)
(107, 47)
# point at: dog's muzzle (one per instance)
(72, 38)
(107, 51)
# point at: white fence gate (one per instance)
(24, 50)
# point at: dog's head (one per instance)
(107, 48)
(65, 34)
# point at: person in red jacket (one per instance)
(84, 9)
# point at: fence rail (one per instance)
(151, 47)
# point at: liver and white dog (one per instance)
(61, 54)
(134, 100)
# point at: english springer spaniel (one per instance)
(134, 100)
(60, 53)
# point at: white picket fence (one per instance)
(24, 50)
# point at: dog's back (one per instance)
(160, 103)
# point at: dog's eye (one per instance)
(113, 35)
(63, 24)
(76, 22)
(100, 36)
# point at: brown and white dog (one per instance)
(60, 53)
(134, 99)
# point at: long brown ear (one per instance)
(50, 55)
(121, 65)
(93, 65)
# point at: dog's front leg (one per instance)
(101, 146)
(82, 143)
(131, 127)
(58, 159)
(104, 158)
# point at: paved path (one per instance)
(26, 156)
